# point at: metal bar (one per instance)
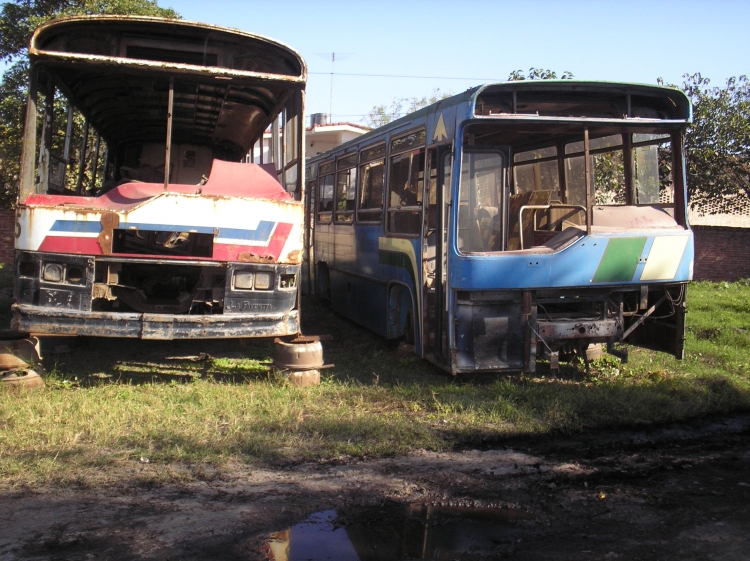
(539, 207)
(168, 154)
(43, 169)
(587, 175)
(678, 177)
(82, 158)
(97, 145)
(643, 318)
(28, 149)
(631, 197)
(68, 135)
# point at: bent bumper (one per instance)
(49, 321)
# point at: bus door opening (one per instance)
(434, 247)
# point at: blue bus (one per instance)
(510, 223)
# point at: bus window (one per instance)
(325, 198)
(405, 193)
(480, 200)
(371, 192)
(346, 182)
(652, 160)
(608, 170)
(536, 170)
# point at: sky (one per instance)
(457, 44)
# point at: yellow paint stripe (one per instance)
(664, 258)
(405, 246)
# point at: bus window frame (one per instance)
(374, 211)
(344, 167)
(322, 174)
(411, 151)
(502, 195)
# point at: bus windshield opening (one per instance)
(523, 189)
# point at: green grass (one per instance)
(110, 403)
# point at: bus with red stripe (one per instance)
(173, 218)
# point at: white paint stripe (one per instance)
(664, 258)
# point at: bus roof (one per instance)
(229, 84)
(554, 99)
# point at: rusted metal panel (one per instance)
(151, 326)
(579, 329)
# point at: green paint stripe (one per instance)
(620, 260)
(397, 259)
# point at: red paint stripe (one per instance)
(72, 245)
(222, 252)
(230, 252)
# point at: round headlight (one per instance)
(53, 272)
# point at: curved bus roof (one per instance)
(555, 99)
(229, 84)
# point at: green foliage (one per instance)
(538, 74)
(18, 20)
(718, 142)
(383, 114)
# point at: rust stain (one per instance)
(295, 256)
(252, 258)
(109, 221)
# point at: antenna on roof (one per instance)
(334, 58)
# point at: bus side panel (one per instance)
(343, 247)
(489, 335)
(359, 299)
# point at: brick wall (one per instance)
(722, 253)
(7, 235)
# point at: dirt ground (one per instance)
(676, 492)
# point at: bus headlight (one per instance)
(243, 280)
(263, 280)
(53, 272)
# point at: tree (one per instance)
(538, 74)
(400, 106)
(718, 142)
(18, 20)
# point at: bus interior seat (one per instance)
(517, 201)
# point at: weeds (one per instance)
(110, 403)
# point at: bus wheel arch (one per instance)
(401, 316)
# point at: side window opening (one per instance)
(346, 183)
(372, 177)
(480, 202)
(325, 198)
(405, 191)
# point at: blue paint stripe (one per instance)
(166, 227)
(261, 234)
(77, 226)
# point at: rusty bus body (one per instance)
(511, 222)
(165, 230)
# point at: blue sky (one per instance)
(483, 40)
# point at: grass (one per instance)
(109, 405)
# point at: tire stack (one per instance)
(20, 362)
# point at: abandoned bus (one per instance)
(511, 222)
(160, 226)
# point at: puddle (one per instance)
(395, 532)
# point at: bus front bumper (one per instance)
(47, 321)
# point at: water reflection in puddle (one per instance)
(396, 532)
